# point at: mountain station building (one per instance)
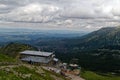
(38, 57)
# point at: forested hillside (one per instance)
(99, 50)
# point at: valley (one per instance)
(98, 51)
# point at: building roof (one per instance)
(73, 65)
(55, 59)
(36, 59)
(36, 53)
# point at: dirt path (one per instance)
(8, 66)
(74, 77)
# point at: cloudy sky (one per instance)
(59, 14)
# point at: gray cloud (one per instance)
(71, 14)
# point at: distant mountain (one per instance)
(104, 37)
(108, 37)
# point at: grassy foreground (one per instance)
(11, 71)
(27, 72)
(5, 58)
(89, 75)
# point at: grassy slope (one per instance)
(5, 58)
(25, 73)
(88, 75)
(28, 72)
(17, 72)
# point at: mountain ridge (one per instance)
(97, 39)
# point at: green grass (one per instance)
(23, 70)
(26, 73)
(34, 75)
(11, 76)
(89, 75)
(8, 76)
(5, 58)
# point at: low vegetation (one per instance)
(26, 72)
(89, 75)
(5, 58)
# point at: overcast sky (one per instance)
(59, 14)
